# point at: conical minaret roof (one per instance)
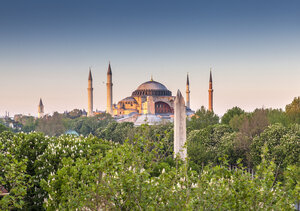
(41, 102)
(109, 70)
(187, 80)
(90, 75)
(210, 77)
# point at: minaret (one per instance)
(187, 92)
(210, 93)
(109, 91)
(90, 94)
(40, 109)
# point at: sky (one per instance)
(47, 47)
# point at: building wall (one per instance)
(143, 105)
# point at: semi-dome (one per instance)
(129, 99)
(152, 88)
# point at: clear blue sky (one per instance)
(46, 48)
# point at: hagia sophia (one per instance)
(150, 103)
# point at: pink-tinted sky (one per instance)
(46, 48)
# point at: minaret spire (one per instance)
(90, 75)
(109, 69)
(109, 85)
(187, 91)
(41, 102)
(40, 109)
(90, 94)
(210, 93)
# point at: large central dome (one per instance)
(154, 85)
(151, 88)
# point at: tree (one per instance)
(121, 179)
(202, 119)
(231, 113)
(116, 178)
(51, 125)
(255, 123)
(88, 173)
(117, 132)
(14, 178)
(278, 116)
(27, 148)
(29, 124)
(75, 113)
(209, 144)
(283, 144)
(89, 125)
(248, 126)
(3, 128)
(293, 110)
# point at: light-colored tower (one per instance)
(179, 126)
(40, 109)
(210, 94)
(109, 91)
(187, 92)
(90, 94)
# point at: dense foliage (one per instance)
(118, 166)
(3, 128)
(71, 173)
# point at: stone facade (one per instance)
(150, 97)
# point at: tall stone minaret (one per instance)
(109, 91)
(210, 93)
(90, 94)
(187, 92)
(40, 109)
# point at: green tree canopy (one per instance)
(3, 128)
(293, 110)
(51, 125)
(278, 116)
(122, 179)
(283, 144)
(231, 113)
(202, 119)
(14, 178)
(209, 144)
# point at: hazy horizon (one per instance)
(47, 47)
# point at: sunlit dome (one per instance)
(152, 88)
(154, 85)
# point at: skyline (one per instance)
(47, 48)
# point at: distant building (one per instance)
(150, 103)
(71, 132)
(41, 109)
(11, 123)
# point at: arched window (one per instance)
(161, 107)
